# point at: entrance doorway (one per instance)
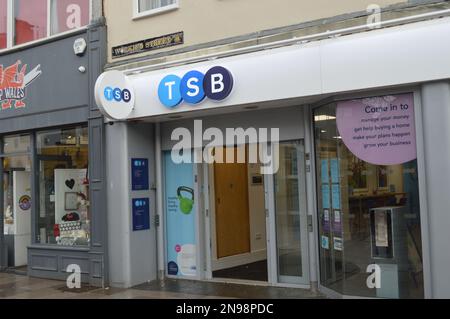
(257, 225)
(289, 224)
(241, 224)
(238, 228)
(16, 201)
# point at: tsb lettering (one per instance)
(195, 86)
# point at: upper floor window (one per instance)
(30, 20)
(68, 15)
(38, 19)
(3, 24)
(150, 7)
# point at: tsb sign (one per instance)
(117, 94)
(114, 95)
(194, 86)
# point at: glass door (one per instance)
(290, 215)
(15, 201)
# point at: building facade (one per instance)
(360, 96)
(52, 194)
(116, 132)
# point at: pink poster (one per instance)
(379, 130)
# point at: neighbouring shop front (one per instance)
(51, 195)
(347, 206)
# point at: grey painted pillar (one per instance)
(97, 172)
(117, 204)
(436, 130)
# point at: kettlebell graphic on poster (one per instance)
(186, 203)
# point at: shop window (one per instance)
(30, 20)
(68, 15)
(16, 144)
(17, 199)
(368, 197)
(63, 210)
(3, 23)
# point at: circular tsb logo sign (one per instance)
(195, 86)
(114, 95)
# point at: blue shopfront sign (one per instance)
(216, 84)
(139, 174)
(141, 214)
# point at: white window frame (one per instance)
(148, 13)
(10, 28)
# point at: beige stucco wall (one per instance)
(208, 20)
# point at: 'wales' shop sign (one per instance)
(13, 84)
(164, 41)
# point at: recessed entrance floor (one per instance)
(254, 271)
(228, 290)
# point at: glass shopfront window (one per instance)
(63, 210)
(16, 192)
(368, 197)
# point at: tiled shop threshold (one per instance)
(227, 290)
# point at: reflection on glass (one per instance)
(378, 207)
(63, 212)
(16, 144)
(30, 20)
(16, 193)
(3, 23)
(287, 210)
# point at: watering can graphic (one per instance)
(186, 203)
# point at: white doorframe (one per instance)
(274, 278)
(272, 267)
(207, 218)
(269, 200)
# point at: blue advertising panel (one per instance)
(334, 167)
(141, 214)
(139, 174)
(336, 196)
(180, 220)
(324, 171)
(326, 196)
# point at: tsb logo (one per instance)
(114, 95)
(216, 84)
(117, 94)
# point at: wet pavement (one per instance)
(229, 290)
(14, 286)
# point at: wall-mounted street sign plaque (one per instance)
(164, 41)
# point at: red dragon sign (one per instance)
(13, 84)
